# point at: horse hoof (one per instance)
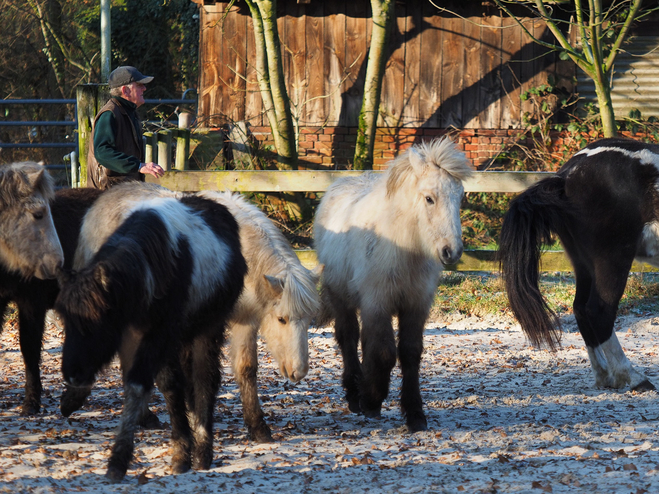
(373, 414)
(31, 408)
(150, 421)
(203, 460)
(354, 407)
(644, 386)
(180, 466)
(115, 475)
(73, 399)
(417, 424)
(260, 434)
(202, 464)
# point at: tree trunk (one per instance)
(272, 85)
(383, 15)
(286, 148)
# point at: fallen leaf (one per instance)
(142, 478)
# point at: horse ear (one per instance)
(39, 179)
(276, 285)
(416, 160)
(35, 176)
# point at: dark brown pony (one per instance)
(603, 206)
(26, 194)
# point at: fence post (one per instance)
(182, 149)
(75, 179)
(165, 149)
(150, 147)
(89, 99)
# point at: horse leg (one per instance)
(243, 348)
(598, 363)
(206, 376)
(130, 341)
(31, 320)
(151, 359)
(346, 332)
(172, 383)
(379, 358)
(606, 290)
(410, 348)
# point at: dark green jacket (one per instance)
(117, 150)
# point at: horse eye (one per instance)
(38, 215)
(281, 320)
(429, 200)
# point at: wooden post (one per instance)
(89, 99)
(182, 149)
(150, 147)
(75, 179)
(165, 149)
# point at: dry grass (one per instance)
(483, 294)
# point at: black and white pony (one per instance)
(157, 276)
(34, 220)
(603, 206)
(383, 240)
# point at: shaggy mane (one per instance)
(17, 185)
(442, 153)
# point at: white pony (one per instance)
(383, 240)
(280, 298)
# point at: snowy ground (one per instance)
(503, 417)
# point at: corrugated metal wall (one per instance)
(635, 79)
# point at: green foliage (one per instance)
(160, 37)
(481, 216)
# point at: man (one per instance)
(117, 153)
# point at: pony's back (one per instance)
(268, 253)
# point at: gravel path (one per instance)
(503, 417)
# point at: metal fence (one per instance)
(69, 161)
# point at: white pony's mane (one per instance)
(277, 258)
(442, 153)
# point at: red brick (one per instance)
(410, 131)
(335, 130)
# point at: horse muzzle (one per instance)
(50, 267)
(450, 255)
(294, 373)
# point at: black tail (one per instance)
(529, 223)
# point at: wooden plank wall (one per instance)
(466, 69)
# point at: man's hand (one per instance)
(152, 169)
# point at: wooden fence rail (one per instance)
(318, 181)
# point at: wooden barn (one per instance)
(464, 68)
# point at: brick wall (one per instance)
(333, 147)
(330, 147)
